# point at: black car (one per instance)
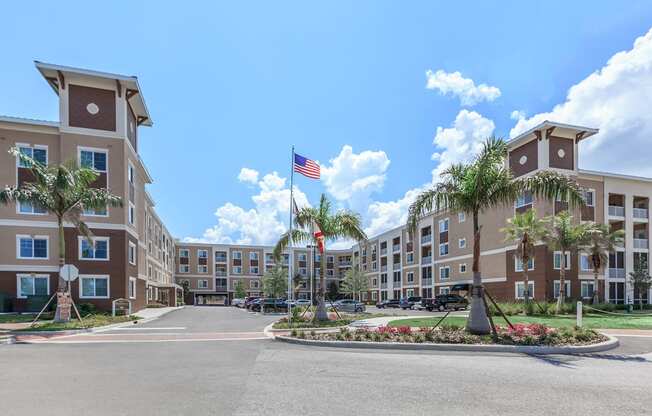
(249, 300)
(408, 303)
(444, 302)
(389, 303)
(270, 304)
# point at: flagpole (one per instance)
(291, 251)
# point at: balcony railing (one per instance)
(383, 285)
(425, 239)
(383, 268)
(345, 263)
(640, 213)
(426, 260)
(396, 266)
(220, 259)
(641, 243)
(221, 288)
(426, 282)
(383, 251)
(616, 273)
(396, 247)
(220, 273)
(616, 211)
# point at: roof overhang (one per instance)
(127, 85)
(553, 128)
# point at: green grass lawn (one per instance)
(89, 322)
(14, 318)
(589, 321)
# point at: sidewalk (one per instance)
(384, 320)
(149, 314)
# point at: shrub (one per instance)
(293, 333)
(301, 335)
(86, 309)
(313, 333)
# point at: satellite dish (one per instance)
(69, 272)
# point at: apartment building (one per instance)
(100, 115)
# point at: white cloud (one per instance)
(615, 99)
(517, 115)
(248, 175)
(352, 178)
(262, 224)
(390, 214)
(455, 84)
(461, 141)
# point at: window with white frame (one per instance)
(202, 268)
(444, 273)
(184, 268)
(132, 214)
(410, 277)
(409, 258)
(132, 253)
(254, 284)
(32, 247)
(586, 289)
(555, 288)
(409, 293)
(184, 252)
(30, 208)
(518, 264)
(93, 159)
(131, 176)
(556, 260)
(374, 295)
(585, 263)
(202, 284)
(463, 268)
(33, 285)
(443, 225)
(253, 269)
(132, 288)
(236, 269)
(444, 290)
(237, 255)
(202, 254)
(99, 250)
(253, 255)
(37, 152)
(520, 290)
(302, 257)
(462, 242)
(588, 195)
(93, 287)
(524, 200)
(461, 217)
(443, 249)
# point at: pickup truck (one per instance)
(444, 302)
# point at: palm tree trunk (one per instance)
(526, 288)
(596, 296)
(62, 313)
(478, 322)
(321, 313)
(562, 282)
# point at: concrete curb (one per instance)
(322, 329)
(7, 339)
(611, 343)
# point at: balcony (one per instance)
(616, 273)
(396, 266)
(426, 239)
(641, 243)
(220, 273)
(383, 268)
(345, 263)
(383, 285)
(383, 251)
(220, 259)
(616, 211)
(396, 247)
(426, 260)
(639, 213)
(426, 282)
(221, 288)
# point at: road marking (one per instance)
(135, 328)
(629, 335)
(126, 341)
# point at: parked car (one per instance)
(238, 302)
(389, 303)
(270, 304)
(301, 303)
(408, 303)
(348, 305)
(249, 300)
(444, 302)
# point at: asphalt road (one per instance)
(248, 377)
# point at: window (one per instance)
(463, 268)
(132, 214)
(374, 295)
(588, 195)
(237, 269)
(96, 212)
(237, 255)
(29, 208)
(557, 260)
(130, 174)
(444, 290)
(520, 287)
(518, 264)
(202, 254)
(410, 258)
(524, 200)
(38, 153)
(461, 217)
(31, 247)
(443, 225)
(585, 263)
(253, 269)
(253, 255)
(98, 251)
(132, 253)
(93, 159)
(33, 285)
(444, 273)
(94, 287)
(410, 277)
(184, 252)
(184, 268)
(202, 268)
(202, 284)
(443, 249)
(302, 257)
(254, 284)
(462, 242)
(555, 288)
(586, 289)
(132, 288)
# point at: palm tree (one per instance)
(297, 281)
(342, 224)
(355, 282)
(275, 283)
(564, 236)
(600, 241)
(63, 190)
(525, 230)
(486, 183)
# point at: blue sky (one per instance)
(234, 85)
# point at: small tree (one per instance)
(641, 280)
(525, 230)
(600, 241)
(275, 284)
(333, 291)
(354, 283)
(185, 285)
(239, 290)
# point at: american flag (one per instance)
(306, 167)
